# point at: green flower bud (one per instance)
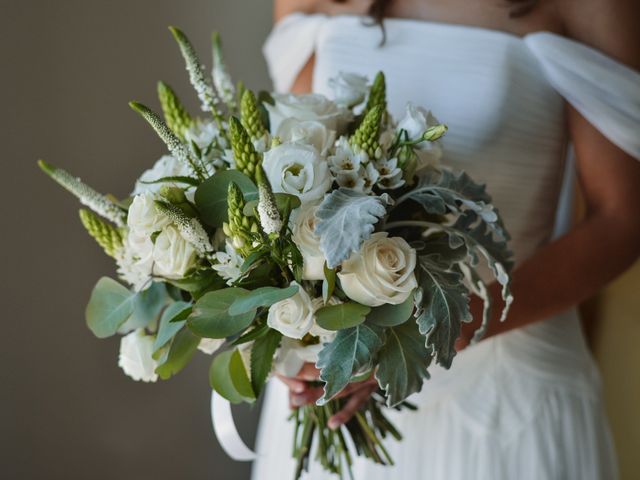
(107, 236)
(239, 227)
(250, 115)
(175, 115)
(244, 153)
(377, 94)
(366, 137)
(434, 133)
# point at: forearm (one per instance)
(569, 270)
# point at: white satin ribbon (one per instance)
(226, 431)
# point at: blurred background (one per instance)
(69, 68)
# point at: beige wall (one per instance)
(68, 69)
(66, 410)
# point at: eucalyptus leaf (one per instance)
(402, 363)
(261, 297)
(147, 306)
(211, 195)
(262, 353)
(351, 352)
(445, 306)
(391, 315)
(329, 283)
(168, 328)
(183, 347)
(199, 283)
(345, 219)
(253, 334)
(211, 318)
(240, 377)
(341, 316)
(220, 377)
(109, 307)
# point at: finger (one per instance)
(308, 373)
(357, 386)
(351, 407)
(294, 384)
(308, 396)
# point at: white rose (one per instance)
(299, 170)
(144, 216)
(210, 345)
(381, 272)
(166, 166)
(311, 106)
(293, 317)
(173, 256)
(349, 89)
(293, 354)
(136, 350)
(303, 234)
(309, 131)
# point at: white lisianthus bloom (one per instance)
(299, 170)
(173, 256)
(349, 89)
(311, 106)
(228, 263)
(144, 216)
(381, 272)
(135, 358)
(310, 132)
(416, 121)
(293, 317)
(166, 166)
(303, 233)
(210, 345)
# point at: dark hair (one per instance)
(378, 8)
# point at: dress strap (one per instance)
(289, 47)
(604, 91)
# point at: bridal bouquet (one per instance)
(284, 229)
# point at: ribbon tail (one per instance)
(226, 431)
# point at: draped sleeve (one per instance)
(289, 47)
(604, 91)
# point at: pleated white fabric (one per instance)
(526, 404)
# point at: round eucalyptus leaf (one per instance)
(211, 195)
(109, 307)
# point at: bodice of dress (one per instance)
(502, 97)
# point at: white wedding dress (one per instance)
(526, 404)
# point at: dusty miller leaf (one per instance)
(402, 363)
(346, 218)
(352, 351)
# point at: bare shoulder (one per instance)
(282, 8)
(608, 25)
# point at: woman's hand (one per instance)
(301, 392)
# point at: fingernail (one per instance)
(297, 401)
(333, 424)
(298, 388)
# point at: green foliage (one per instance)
(244, 153)
(284, 202)
(172, 320)
(329, 283)
(351, 352)
(109, 307)
(445, 306)
(199, 283)
(391, 315)
(147, 306)
(239, 227)
(175, 115)
(183, 347)
(107, 236)
(251, 116)
(211, 195)
(261, 297)
(262, 353)
(402, 363)
(228, 376)
(367, 137)
(346, 218)
(211, 318)
(341, 316)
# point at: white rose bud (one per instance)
(173, 256)
(349, 89)
(299, 170)
(293, 354)
(144, 217)
(136, 350)
(309, 132)
(293, 317)
(303, 234)
(382, 272)
(311, 106)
